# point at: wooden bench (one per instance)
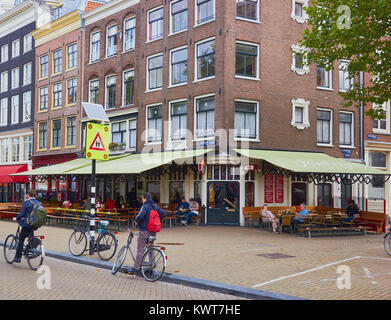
(307, 230)
(376, 221)
(6, 214)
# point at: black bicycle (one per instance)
(387, 242)
(105, 244)
(33, 250)
(153, 262)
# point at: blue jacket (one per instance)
(143, 216)
(27, 207)
(183, 205)
(302, 213)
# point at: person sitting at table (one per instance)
(351, 210)
(182, 207)
(99, 206)
(122, 203)
(193, 211)
(297, 220)
(268, 216)
(110, 204)
(86, 204)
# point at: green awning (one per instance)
(140, 162)
(310, 162)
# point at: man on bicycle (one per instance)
(142, 220)
(27, 208)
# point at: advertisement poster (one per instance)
(269, 188)
(279, 189)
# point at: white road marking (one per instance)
(304, 272)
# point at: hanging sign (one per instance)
(97, 143)
(269, 188)
(201, 167)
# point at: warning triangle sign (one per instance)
(97, 143)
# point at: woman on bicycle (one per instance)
(27, 208)
(142, 220)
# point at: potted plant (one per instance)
(113, 146)
(122, 146)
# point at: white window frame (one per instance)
(257, 60)
(89, 88)
(195, 133)
(14, 77)
(107, 41)
(148, 28)
(128, 134)
(171, 28)
(4, 111)
(27, 80)
(106, 91)
(304, 18)
(25, 118)
(256, 139)
(147, 71)
(330, 88)
(331, 129)
(351, 131)
(171, 85)
(196, 61)
(170, 142)
(387, 105)
(146, 125)
(25, 42)
(5, 87)
(4, 53)
(15, 48)
(246, 19)
(91, 48)
(196, 24)
(304, 104)
(130, 49)
(351, 81)
(306, 68)
(15, 115)
(123, 87)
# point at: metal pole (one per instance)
(92, 221)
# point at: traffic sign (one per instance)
(97, 143)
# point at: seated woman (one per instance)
(267, 216)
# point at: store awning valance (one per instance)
(313, 165)
(140, 162)
(7, 171)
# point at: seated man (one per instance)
(351, 210)
(193, 211)
(297, 220)
(182, 207)
(110, 204)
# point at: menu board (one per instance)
(279, 189)
(269, 188)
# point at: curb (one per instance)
(219, 287)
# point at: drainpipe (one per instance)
(362, 136)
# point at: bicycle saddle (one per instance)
(152, 238)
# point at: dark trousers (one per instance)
(141, 242)
(24, 233)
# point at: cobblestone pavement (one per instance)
(78, 282)
(233, 255)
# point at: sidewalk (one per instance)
(293, 265)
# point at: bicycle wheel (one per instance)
(387, 243)
(153, 264)
(10, 247)
(77, 243)
(106, 246)
(34, 254)
(120, 260)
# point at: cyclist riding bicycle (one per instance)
(27, 208)
(142, 220)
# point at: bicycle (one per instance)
(33, 251)
(387, 242)
(105, 244)
(153, 269)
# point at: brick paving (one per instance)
(232, 255)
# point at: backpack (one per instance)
(154, 224)
(37, 217)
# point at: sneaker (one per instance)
(184, 223)
(17, 259)
(132, 270)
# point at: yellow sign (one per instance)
(97, 144)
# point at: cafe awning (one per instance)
(140, 162)
(6, 171)
(314, 166)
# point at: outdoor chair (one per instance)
(254, 217)
(286, 222)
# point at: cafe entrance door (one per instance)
(223, 203)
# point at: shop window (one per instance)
(153, 187)
(176, 191)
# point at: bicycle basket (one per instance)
(34, 243)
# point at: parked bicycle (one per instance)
(33, 250)
(153, 262)
(387, 242)
(105, 244)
